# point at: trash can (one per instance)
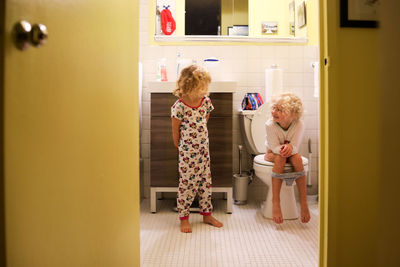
(240, 186)
(241, 182)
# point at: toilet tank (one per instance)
(245, 118)
(252, 127)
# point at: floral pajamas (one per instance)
(194, 156)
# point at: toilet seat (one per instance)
(259, 159)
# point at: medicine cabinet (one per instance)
(233, 20)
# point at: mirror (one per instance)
(251, 18)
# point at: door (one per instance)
(71, 156)
(202, 17)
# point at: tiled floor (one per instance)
(247, 239)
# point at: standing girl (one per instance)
(190, 115)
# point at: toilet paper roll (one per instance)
(273, 82)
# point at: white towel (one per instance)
(316, 78)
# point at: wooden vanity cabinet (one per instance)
(164, 155)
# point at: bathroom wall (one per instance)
(269, 10)
(246, 65)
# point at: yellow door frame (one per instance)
(323, 134)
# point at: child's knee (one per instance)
(279, 160)
(296, 158)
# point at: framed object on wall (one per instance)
(238, 30)
(301, 15)
(359, 13)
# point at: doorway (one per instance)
(246, 64)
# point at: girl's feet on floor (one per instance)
(212, 221)
(305, 214)
(277, 213)
(185, 226)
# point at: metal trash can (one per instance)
(240, 187)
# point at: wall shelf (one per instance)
(224, 38)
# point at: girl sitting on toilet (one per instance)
(284, 134)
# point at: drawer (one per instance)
(161, 104)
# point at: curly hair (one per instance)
(289, 103)
(191, 80)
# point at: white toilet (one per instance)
(253, 132)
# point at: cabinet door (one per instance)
(220, 135)
(164, 155)
(161, 104)
(222, 103)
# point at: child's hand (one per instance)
(286, 150)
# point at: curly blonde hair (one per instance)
(289, 103)
(192, 80)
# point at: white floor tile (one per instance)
(246, 239)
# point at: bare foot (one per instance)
(305, 214)
(211, 220)
(277, 213)
(185, 226)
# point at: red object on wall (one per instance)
(168, 24)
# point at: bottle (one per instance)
(178, 65)
(162, 70)
(164, 77)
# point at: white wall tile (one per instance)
(145, 137)
(149, 66)
(267, 63)
(293, 79)
(225, 52)
(143, 38)
(282, 51)
(145, 150)
(254, 52)
(268, 51)
(296, 51)
(255, 80)
(145, 96)
(239, 65)
(253, 65)
(308, 79)
(283, 63)
(146, 108)
(146, 122)
(240, 52)
(296, 65)
(311, 52)
(307, 65)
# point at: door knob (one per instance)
(38, 35)
(24, 34)
(21, 33)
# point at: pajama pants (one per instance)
(194, 178)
